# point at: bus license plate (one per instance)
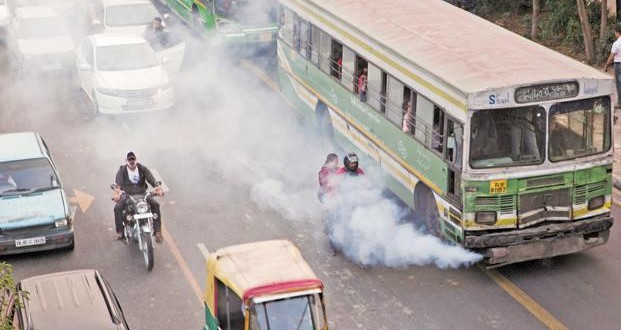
(497, 187)
(30, 241)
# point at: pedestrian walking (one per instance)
(615, 58)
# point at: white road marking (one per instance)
(203, 249)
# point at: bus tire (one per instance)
(427, 209)
(324, 122)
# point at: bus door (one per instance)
(453, 145)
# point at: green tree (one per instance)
(8, 293)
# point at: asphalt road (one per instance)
(227, 139)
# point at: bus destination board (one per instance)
(546, 92)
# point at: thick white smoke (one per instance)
(374, 230)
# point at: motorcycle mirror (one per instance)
(158, 183)
(113, 186)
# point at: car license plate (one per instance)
(265, 36)
(30, 241)
(143, 216)
(139, 103)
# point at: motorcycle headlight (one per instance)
(107, 91)
(61, 223)
(142, 207)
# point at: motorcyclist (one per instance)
(132, 178)
(350, 162)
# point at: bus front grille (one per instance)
(541, 206)
(502, 204)
(589, 190)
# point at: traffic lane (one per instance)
(579, 289)
(217, 210)
(88, 151)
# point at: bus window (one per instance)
(395, 101)
(286, 26)
(579, 128)
(336, 59)
(437, 135)
(424, 116)
(409, 111)
(453, 142)
(374, 86)
(314, 44)
(325, 52)
(348, 76)
(362, 75)
(522, 141)
(302, 37)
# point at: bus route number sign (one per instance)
(546, 92)
(497, 187)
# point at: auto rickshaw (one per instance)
(262, 286)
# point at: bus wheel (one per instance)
(324, 122)
(427, 208)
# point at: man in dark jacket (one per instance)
(132, 178)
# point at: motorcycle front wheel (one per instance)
(147, 250)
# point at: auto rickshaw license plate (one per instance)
(497, 187)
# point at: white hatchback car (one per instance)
(122, 16)
(121, 73)
(39, 40)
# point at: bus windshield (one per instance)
(579, 128)
(247, 11)
(507, 137)
(295, 313)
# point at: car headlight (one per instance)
(163, 87)
(61, 223)
(485, 218)
(108, 91)
(142, 207)
(596, 202)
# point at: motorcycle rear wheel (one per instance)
(147, 250)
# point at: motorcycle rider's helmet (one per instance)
(351, 161)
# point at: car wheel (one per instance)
(93, 103)
(71, 247)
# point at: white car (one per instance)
(121, 73)
(38, 40)
(122, 16)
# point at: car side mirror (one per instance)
(85, 67)
(165, 60)
(96, 23)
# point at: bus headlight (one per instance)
(485, 218)
(61, 223)
(596, 202)
(142, 207)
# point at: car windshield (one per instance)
(41, 28)
(579, 128)
(296, 313)
(131, 14)
(25, 176)
(125, 57)
(507, 137)
(247, 11)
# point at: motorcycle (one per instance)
(138, 224)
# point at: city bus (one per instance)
(498, 143)
(230, 22)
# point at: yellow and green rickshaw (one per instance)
(262, 286)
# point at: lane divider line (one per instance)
(525, 300)
(509, 287)
(185, 269)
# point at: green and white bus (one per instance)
(501, 144)
(230, 22)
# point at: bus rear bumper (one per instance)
(540, 242)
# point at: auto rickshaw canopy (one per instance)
(263, 268)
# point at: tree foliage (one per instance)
(7, 292)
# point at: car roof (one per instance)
(112, 39)
(261, 264)
(70, 300)
(36, 11)
(17, 146)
